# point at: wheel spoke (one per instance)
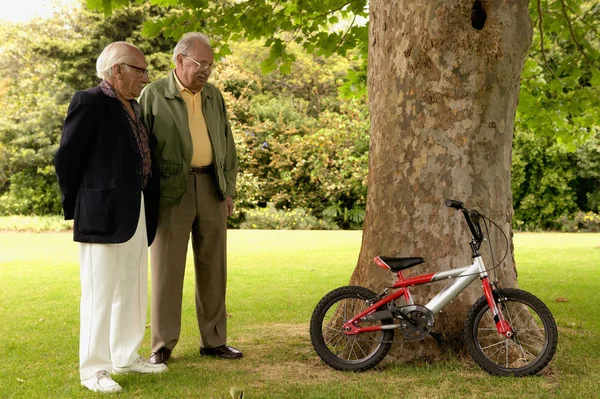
(494, 345)
(348, 351)
(340, 338)
(532, 344)
(361, 349)
(351, 352)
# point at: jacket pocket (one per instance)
(168, 169)
(172, 183)
(96, 211)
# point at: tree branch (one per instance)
(329, 12)
(573, 36)
(345, 34)
(539, 8)
(583, 19)
(594, 10)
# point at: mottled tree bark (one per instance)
(443, 90)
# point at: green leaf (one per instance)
(152, 28)
(595, 80)
(224, 50)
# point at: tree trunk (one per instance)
(443, 86)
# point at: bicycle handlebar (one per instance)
(454, 204)
(474, 226)
(471, 216)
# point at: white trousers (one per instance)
(114, 301)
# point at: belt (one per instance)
(197, 170)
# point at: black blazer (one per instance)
(99, 169)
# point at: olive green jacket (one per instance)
(165, 115)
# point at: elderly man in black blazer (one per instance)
(110, 189)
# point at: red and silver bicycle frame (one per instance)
(462, 278)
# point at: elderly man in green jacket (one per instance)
(197, 159)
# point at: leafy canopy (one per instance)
(560, 95)
(560, 84)
(323, 27)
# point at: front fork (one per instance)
(502, 325)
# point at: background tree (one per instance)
(560, 95)
(588, 165)
(43, 63)
(306, 147)
(28, 124)
(559, 110)
(303, 134)
(544, 181)
(303, 145)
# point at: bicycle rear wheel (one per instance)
(348, 352)
(528, 351)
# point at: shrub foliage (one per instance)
(303, 147)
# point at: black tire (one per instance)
(528, 351)
(348, 352)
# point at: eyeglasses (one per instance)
(142, 70)
(202, 66)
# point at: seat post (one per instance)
(400, 275)
(407, 295)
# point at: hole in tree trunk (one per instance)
(478, 15)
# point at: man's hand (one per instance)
(230, 206)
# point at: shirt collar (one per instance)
(181, 87)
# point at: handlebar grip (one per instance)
(454, 204)
(475, 217)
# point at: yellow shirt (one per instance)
(202, 147)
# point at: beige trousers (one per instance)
(202, 213)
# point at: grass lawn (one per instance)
(275, 280)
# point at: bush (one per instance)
(588, 167)
(582, 222)
(270, 218)
(300, 145)
(544, 176)
(320, 164)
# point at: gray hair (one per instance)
(114, 54)
(187, 42)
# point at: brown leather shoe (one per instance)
(223, 351)
(161, 356)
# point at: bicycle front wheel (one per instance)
(531, 347)
(348, 352)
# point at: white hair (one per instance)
(187, 42)
(114, 54)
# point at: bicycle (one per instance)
(508, 331)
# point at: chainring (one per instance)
(416, 321)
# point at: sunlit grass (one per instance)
(35, 224)
(275, 280)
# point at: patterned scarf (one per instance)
(139, 130)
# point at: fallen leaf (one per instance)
(561, 299)
(236, 393)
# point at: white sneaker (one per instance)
(140, 365)
(101, 382)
